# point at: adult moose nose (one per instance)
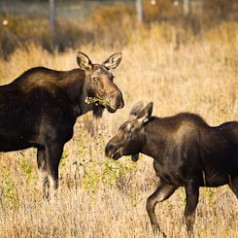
(116, 100)
(121, 103)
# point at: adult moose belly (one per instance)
(12, 143)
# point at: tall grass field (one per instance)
(99, 197)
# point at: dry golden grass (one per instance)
(99, 197)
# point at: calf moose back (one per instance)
(186, 151)
(39, 109)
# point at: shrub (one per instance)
(8, 192)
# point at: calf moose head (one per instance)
(99, 83)
(129, 139)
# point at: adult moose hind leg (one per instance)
(162, 192)
(192, 195)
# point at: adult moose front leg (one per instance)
(233, 184)
(41, 162)
(54, 152)
(48, 159)
(162, 192)
(192, 195)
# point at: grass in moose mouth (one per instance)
(97, 101)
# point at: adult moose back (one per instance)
(39, 109)
(186, 151)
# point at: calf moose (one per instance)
(186, 151)
(39, 109)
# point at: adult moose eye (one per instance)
(95, 80)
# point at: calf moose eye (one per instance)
(130, 127)
(129, 135)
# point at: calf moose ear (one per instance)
(137, 108)
(113, 61)
(146, 113)
(83, 61)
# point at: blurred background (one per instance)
(61, 24)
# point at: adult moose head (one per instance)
(39, 109)
(186, 151)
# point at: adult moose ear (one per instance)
(83, 61)
(146, 113)
(113, 61)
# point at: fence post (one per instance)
(186, 13)
(52, 16)
(186, 8)
(139, 10)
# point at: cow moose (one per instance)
(40, 107)
(186, 151)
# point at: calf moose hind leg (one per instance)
(162, 192)
(192, 194)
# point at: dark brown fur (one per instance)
(39, 109)
(186, 151)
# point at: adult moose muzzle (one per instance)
(186, 151)
(40, 107)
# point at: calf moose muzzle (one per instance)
(112, 152)
(116, 152)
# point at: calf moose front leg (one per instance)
(48, 161)
(163, 192)
(192, 194)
